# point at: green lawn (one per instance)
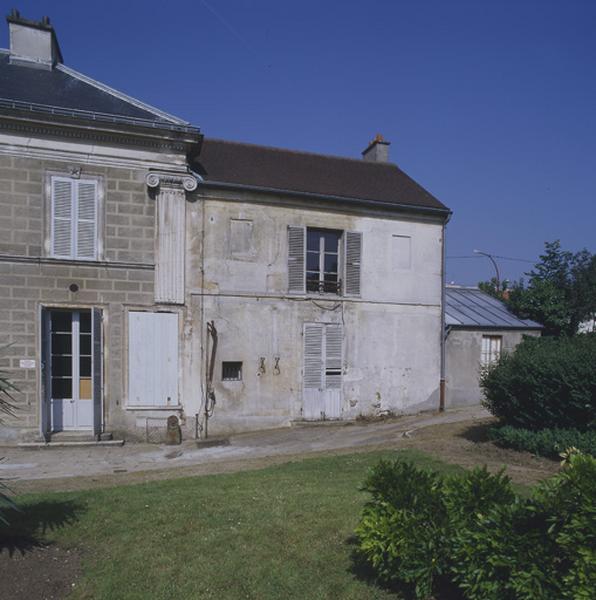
(281, 532)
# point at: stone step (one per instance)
(88, 443)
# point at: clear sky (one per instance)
(489, 105)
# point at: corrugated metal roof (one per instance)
(469, 307)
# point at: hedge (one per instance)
(546, 383)
(472, 534)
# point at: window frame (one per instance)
(490, 357)
(322, 253)
(48, 242)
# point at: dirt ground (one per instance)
(463, 443)
(40, 572)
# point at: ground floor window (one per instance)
(491, 350)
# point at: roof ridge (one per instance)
(307, 152)
(121, 96)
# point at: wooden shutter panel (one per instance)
(86, 234)
(296, 259)
(313, 356)
(62, 216)
(333, 356)
(97, 371)
(352, 260)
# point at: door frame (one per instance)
(98, 315)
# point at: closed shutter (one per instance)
(333, 356)
(97, 371)
(313, 356)
(296, 252)
(86, 232)
(353, 255)
(62, 192)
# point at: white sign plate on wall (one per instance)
(27, 363)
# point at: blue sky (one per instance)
(489, 105)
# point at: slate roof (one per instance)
(469, 307)
(263, 167)
(64, 91)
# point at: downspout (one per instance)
(442, 385)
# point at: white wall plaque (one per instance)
(27, 363)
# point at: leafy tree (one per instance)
(560, 292)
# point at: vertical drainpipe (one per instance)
(443, 336)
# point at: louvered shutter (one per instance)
(313, 356)
(86, 230)
(333, 356)
(352, 260)
(62, 193)
(296, 259)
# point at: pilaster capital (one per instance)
(156, 179)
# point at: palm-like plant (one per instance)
(7, 408)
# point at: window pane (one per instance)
(312, 261)
(85, 343)
(85, 366)
(331, 277)
(61, 343)
(312, 239)
(86, 322)
(61, 321)
(61, 388)
(61, 366)
(331, 263)
(331, 240)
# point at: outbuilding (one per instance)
(478, 329)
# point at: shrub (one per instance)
(545, 383)
(546, 442)
(401, 531)
(473, 532)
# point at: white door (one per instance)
(322, 396)
(71, 396)
(152, 359)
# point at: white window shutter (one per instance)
(333, 356)
(296, 259)
(62, 192)
(313, 356)
(86, 232)
(352, 262)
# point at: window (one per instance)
(74, 216)
(491, 350)
(402, 251)
(231, 371)
(324, 261)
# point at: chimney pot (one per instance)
(377, 150)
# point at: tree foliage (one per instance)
(560, 292)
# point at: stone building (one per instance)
(478, 329)
(148, 272)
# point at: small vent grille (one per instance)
(231, 371)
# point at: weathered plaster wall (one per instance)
(463, 349)
(391, 333)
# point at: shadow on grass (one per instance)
(477, 433)
(362, 570)
(29, 525)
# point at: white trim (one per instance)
(121, 96)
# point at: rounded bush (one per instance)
(545, 383)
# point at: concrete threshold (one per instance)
(65, 444)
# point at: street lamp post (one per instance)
(489, 256)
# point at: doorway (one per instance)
(72, 370)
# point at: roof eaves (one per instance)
(121, 96)
(444, 212)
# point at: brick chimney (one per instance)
(32, 43)
(377, 150)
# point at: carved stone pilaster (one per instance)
(170, 252)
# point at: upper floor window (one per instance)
(74, 217)
(324, 261)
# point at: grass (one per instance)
(281, 532)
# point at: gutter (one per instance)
(445, 213)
